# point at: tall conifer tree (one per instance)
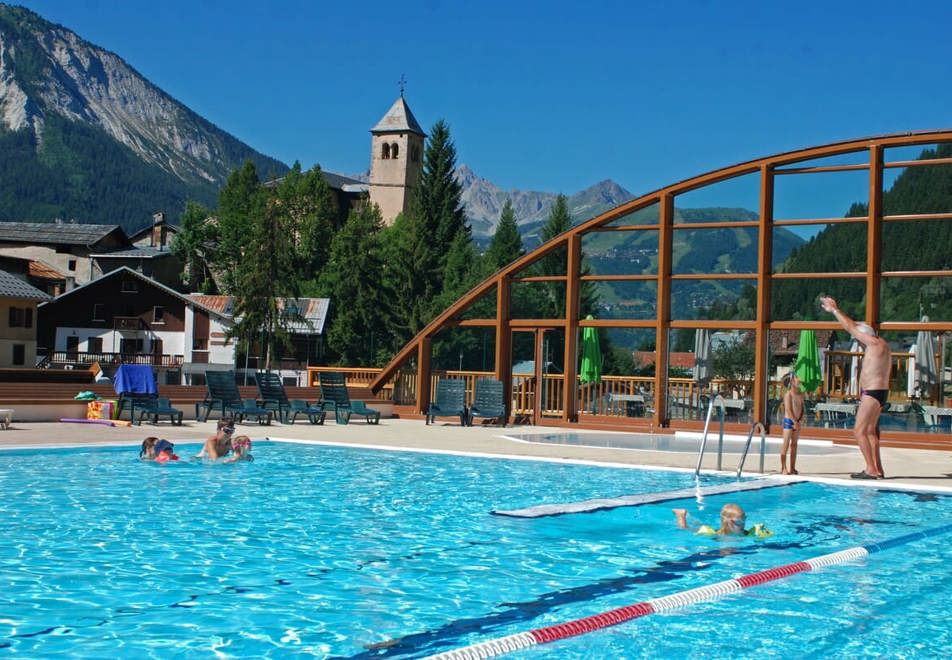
(506, 244)
(235, 206)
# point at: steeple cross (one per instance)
(403, 84)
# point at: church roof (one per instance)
(398, 118)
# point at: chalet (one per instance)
(18, 301)
(35, 273)
(126, 317)
(67, 248)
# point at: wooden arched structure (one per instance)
(865, 155)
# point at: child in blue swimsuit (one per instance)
(793, 408)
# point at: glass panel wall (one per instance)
(827, 363)
(729, 250)
(714, 299)
(732, 200)
(620, 252)
(833, 248)
(621, 299)
(917, 245)
(820, 194)
(799, 299)
(916, 299)
(538, 300)
(622, 387)
(704, 363)
(648, 215)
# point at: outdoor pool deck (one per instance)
(913, 467)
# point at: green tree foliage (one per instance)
(434, 221)
(194, 241)
(400, 279)
(313, 214)
(352, 282)
(238, 203)
(268, 272)
(506, 244)
(734, 360)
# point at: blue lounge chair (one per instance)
(488, 401)
(315, 413)
(450, 401)
(271, 394)
(334, 395)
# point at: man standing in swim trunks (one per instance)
(874, 381)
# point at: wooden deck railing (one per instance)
(85, 358)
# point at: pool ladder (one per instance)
(718, 401)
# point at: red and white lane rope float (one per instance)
(502, 645)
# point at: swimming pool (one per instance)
(316, 551)
(676, 443)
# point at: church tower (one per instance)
(396, 158)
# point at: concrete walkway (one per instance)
(904, 467)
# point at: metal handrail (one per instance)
(763, 446)
(720, 442)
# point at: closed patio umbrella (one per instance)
(854, 369)
(808, 361)
(591, 368)
(702, 356)
(925, 362)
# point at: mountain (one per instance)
(484, 201)
(83, 135)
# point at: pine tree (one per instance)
(400, 279)
(236, 201)
(268, 273)
(435, 219)
(352, 280)
(312, 208)
(192, 244)
(506, 244)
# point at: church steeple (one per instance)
(396, 153)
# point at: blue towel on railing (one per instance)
(137, 378)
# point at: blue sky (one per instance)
(550, 96)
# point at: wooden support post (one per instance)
(874, 236)
(572, 291)
(665, 240)
(504, 342)
(764, 270)
(423, 375)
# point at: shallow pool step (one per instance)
(589, 506)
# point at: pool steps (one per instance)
(604, 504)
(502, 645)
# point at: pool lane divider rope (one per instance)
(604, 504)
(502, 645)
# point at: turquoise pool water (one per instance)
(329, 552)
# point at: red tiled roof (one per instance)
(41, 271)
(680, 359)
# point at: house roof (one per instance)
(314, 310)
(335, 181)
(67, 233)
(41, 271)
(125, 270)
(12, 286)
(147, 230)
(398, 119)
(134, 253)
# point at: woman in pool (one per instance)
(218, 445)
(733, 521)
(241, 446)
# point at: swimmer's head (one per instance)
(148, 447)
(865, 329)
(733, 518)
(241, 444)
(791, 379)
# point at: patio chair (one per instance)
(450, 401)
(488, 401)
(271, 394)
(135, 384)
(334, 394)
(223, 395)
(158, 408)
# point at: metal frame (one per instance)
(785, 164)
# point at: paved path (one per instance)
(903, 466)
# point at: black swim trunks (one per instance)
(879, 395)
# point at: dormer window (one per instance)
(130, 286)
(394, 150)
(385, 151)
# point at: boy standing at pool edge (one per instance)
(792, 417)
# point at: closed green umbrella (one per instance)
(808, 361)
(591, 370)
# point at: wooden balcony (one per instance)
(85, 359)
(129, 323)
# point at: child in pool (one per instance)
(147, 453)
(164, 452)
(733, 521)
(792, 417)
(241, 447)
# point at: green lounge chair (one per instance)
(315, 413)
(223, 395)
(334, 394)
(158, 407)
(488, 401)
(271, 394)
(450, 401)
